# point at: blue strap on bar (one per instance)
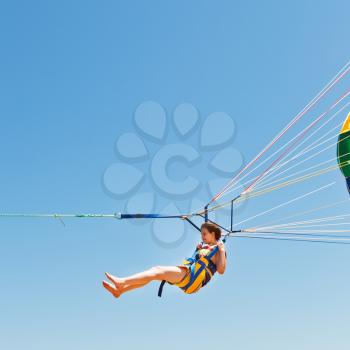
(147, 216)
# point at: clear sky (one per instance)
(72, 75)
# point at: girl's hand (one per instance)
(221, 247)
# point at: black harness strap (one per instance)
(160, 290)
(193, 224)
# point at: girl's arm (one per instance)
(221, 259)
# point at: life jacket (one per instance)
(200, 270)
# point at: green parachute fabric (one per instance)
(343, 150)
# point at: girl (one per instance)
(193, 274)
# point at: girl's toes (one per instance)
(111, 289)
(116, 281)
(108, 286)
(111, 277)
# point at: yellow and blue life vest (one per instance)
(200, 270)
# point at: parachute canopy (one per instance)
(343, 150)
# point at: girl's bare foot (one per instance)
(118, 282)
(112, 289)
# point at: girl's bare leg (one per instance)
(172, 274)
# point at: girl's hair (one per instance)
(212, 228)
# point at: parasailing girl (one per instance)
(208, 258)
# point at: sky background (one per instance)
(72, 74)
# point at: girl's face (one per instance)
(208, 237)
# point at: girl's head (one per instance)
(211, 233)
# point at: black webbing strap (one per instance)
(160, 290)
(193, 224)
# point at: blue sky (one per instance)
(72, 75)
